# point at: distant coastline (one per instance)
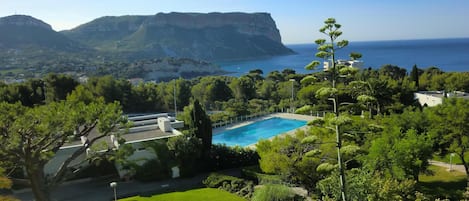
(448, 54)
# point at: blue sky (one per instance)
(298, 20)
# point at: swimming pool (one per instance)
(252, 133)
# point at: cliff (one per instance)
(211, 36)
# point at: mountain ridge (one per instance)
(207, 36)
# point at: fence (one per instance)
(240, 119)
(261, 114)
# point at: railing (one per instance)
(237, 119)
(242, 118)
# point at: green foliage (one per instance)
(225, 157)
(58, 86)
(326, 92)
(187, 152)
(231, 184)
(402, 155)
(293, 160)
(44, 129)
(450, 123)
(199, 125)
(152, 170)
(394, 72)
(243, 88)
(438, 182)
(363, 185)
(273, 192)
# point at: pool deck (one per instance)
(281, 115)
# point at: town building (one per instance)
(434, 98)
(353, 63)
(144, 128)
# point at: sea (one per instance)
(450, 55)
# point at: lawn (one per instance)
(202, 194)
(442, 183)
(446, 158)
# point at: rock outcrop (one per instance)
(211, 36)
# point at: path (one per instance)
(459, 168)
(99, 189)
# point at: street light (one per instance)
(451, 162)
(114, 185)
(175, 107)
(292, 97)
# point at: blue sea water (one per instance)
(450, 55)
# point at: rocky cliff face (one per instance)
(212, 36)
(249, 24)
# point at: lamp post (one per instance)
(175, 107)
(451, 162)
(114, 186)
(292, 91)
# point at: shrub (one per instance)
(304, 110)
(231, 184)
(273, 192)
(224, 157)
(255, 173)
(151, 170)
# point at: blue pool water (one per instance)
(252, 133)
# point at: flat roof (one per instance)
(140, 136)
(441, 94)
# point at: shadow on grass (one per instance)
(452, 190)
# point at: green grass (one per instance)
(446, 158)
(201, 194)
(442, 184)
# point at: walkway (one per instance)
(459, 168)
(99, 190)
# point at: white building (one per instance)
(353, 63)
(433, 98)
(145, 128)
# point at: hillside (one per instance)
(212, 36)
(21, 32)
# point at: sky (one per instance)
(297, 20)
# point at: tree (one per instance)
(244, 88)
(58, 86)
(200, 125)
(327, 51)
(403, 155)
(293, 158)
(365, 185)
(373, 91)
(450, 121)
(395, 72)
(30, 137)
(186, 151)
(183, 93)
(5, 183)
(414, 75)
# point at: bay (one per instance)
(450, 55)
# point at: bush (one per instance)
(225, 157)
(273, 192)
(152, 170)
(255, 173)
(231, 184)
(306, 110)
